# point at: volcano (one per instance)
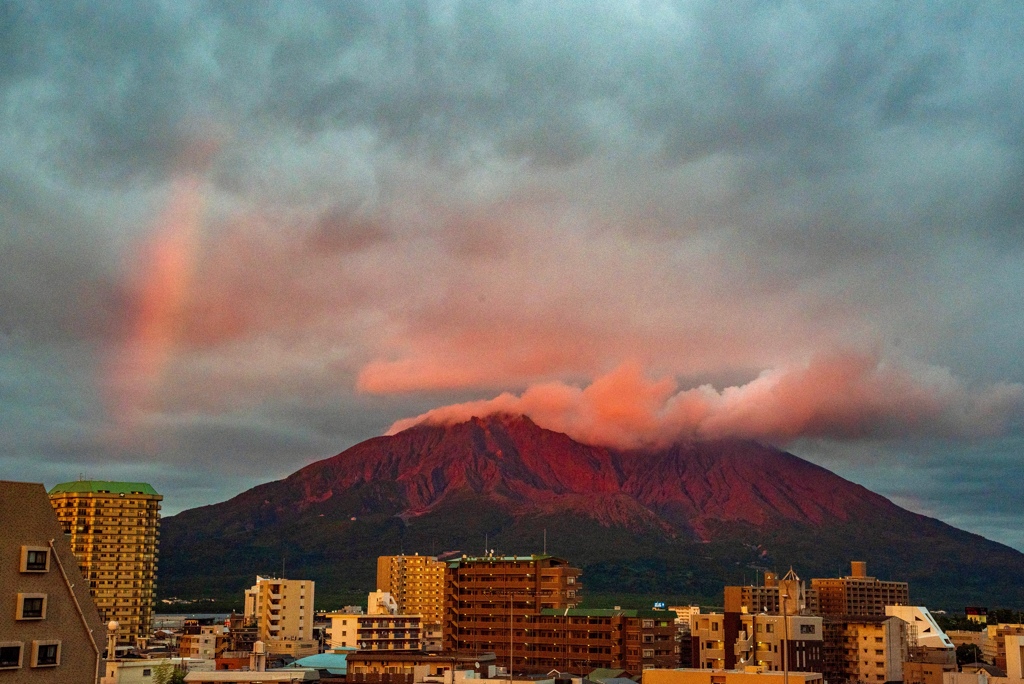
(678, 522)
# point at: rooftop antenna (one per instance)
(282, 567)
(485, 543)
(545, 541)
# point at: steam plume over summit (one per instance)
(838, 396)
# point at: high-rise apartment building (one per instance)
(856, 594)
(483, 595)
(283, 612)
(114, 530)
(50, 630)
(416, 583)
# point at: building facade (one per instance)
(483, 596)
(114, 530)
(417, 584)
(282, 610)
(50, 630)
(868, 649)
(856, 594)
(750, 675)
(994, 645)
(381, 632)
(773, 643)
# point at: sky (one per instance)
(240, 237)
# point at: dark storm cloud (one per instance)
(516, 191)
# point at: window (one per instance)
(35, 559)
(10, 655)
(648, 653)
(45, 653)
(648, 623)
(769, 628)
(147, 672)
(31, 607)
(807, 629)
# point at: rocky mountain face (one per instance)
(678, 522)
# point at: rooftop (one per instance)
(104, 487)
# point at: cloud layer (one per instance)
(237, 237)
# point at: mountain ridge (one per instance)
(711, 510)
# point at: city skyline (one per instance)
(240, 238)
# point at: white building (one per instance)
(929, 634)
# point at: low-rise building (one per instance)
(50, 629)
(772, 642)
(210, 643)
(749, 675)
(381, 628)
(365, 667)
(994, 647)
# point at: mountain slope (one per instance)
(680, 521)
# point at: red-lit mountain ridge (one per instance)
(531, 470)
(679, 521)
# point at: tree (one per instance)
(168, 674)
(967, 654)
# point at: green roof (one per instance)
(100, 486)
(608, 612)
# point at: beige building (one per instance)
(417, 584)
(50, 631)
(769, 642)
(140, 671)
(210, 643)
(114, 529)
(856, 594)
(866, 649)
(1013, 648)
(381, 628)
(283, 612)
(749, 675)
(994, 645)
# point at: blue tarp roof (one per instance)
(332, 661)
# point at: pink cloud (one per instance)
(843, 395)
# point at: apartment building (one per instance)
(856, 594)
(417, 584)
(868, 649)
(773, 643)
(283, 612)
(484, 595)
(114, 530)
(50, 630)
(768, 597)
(578, 640)
(209, 644)
(381, 628)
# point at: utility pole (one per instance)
(785, 640)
